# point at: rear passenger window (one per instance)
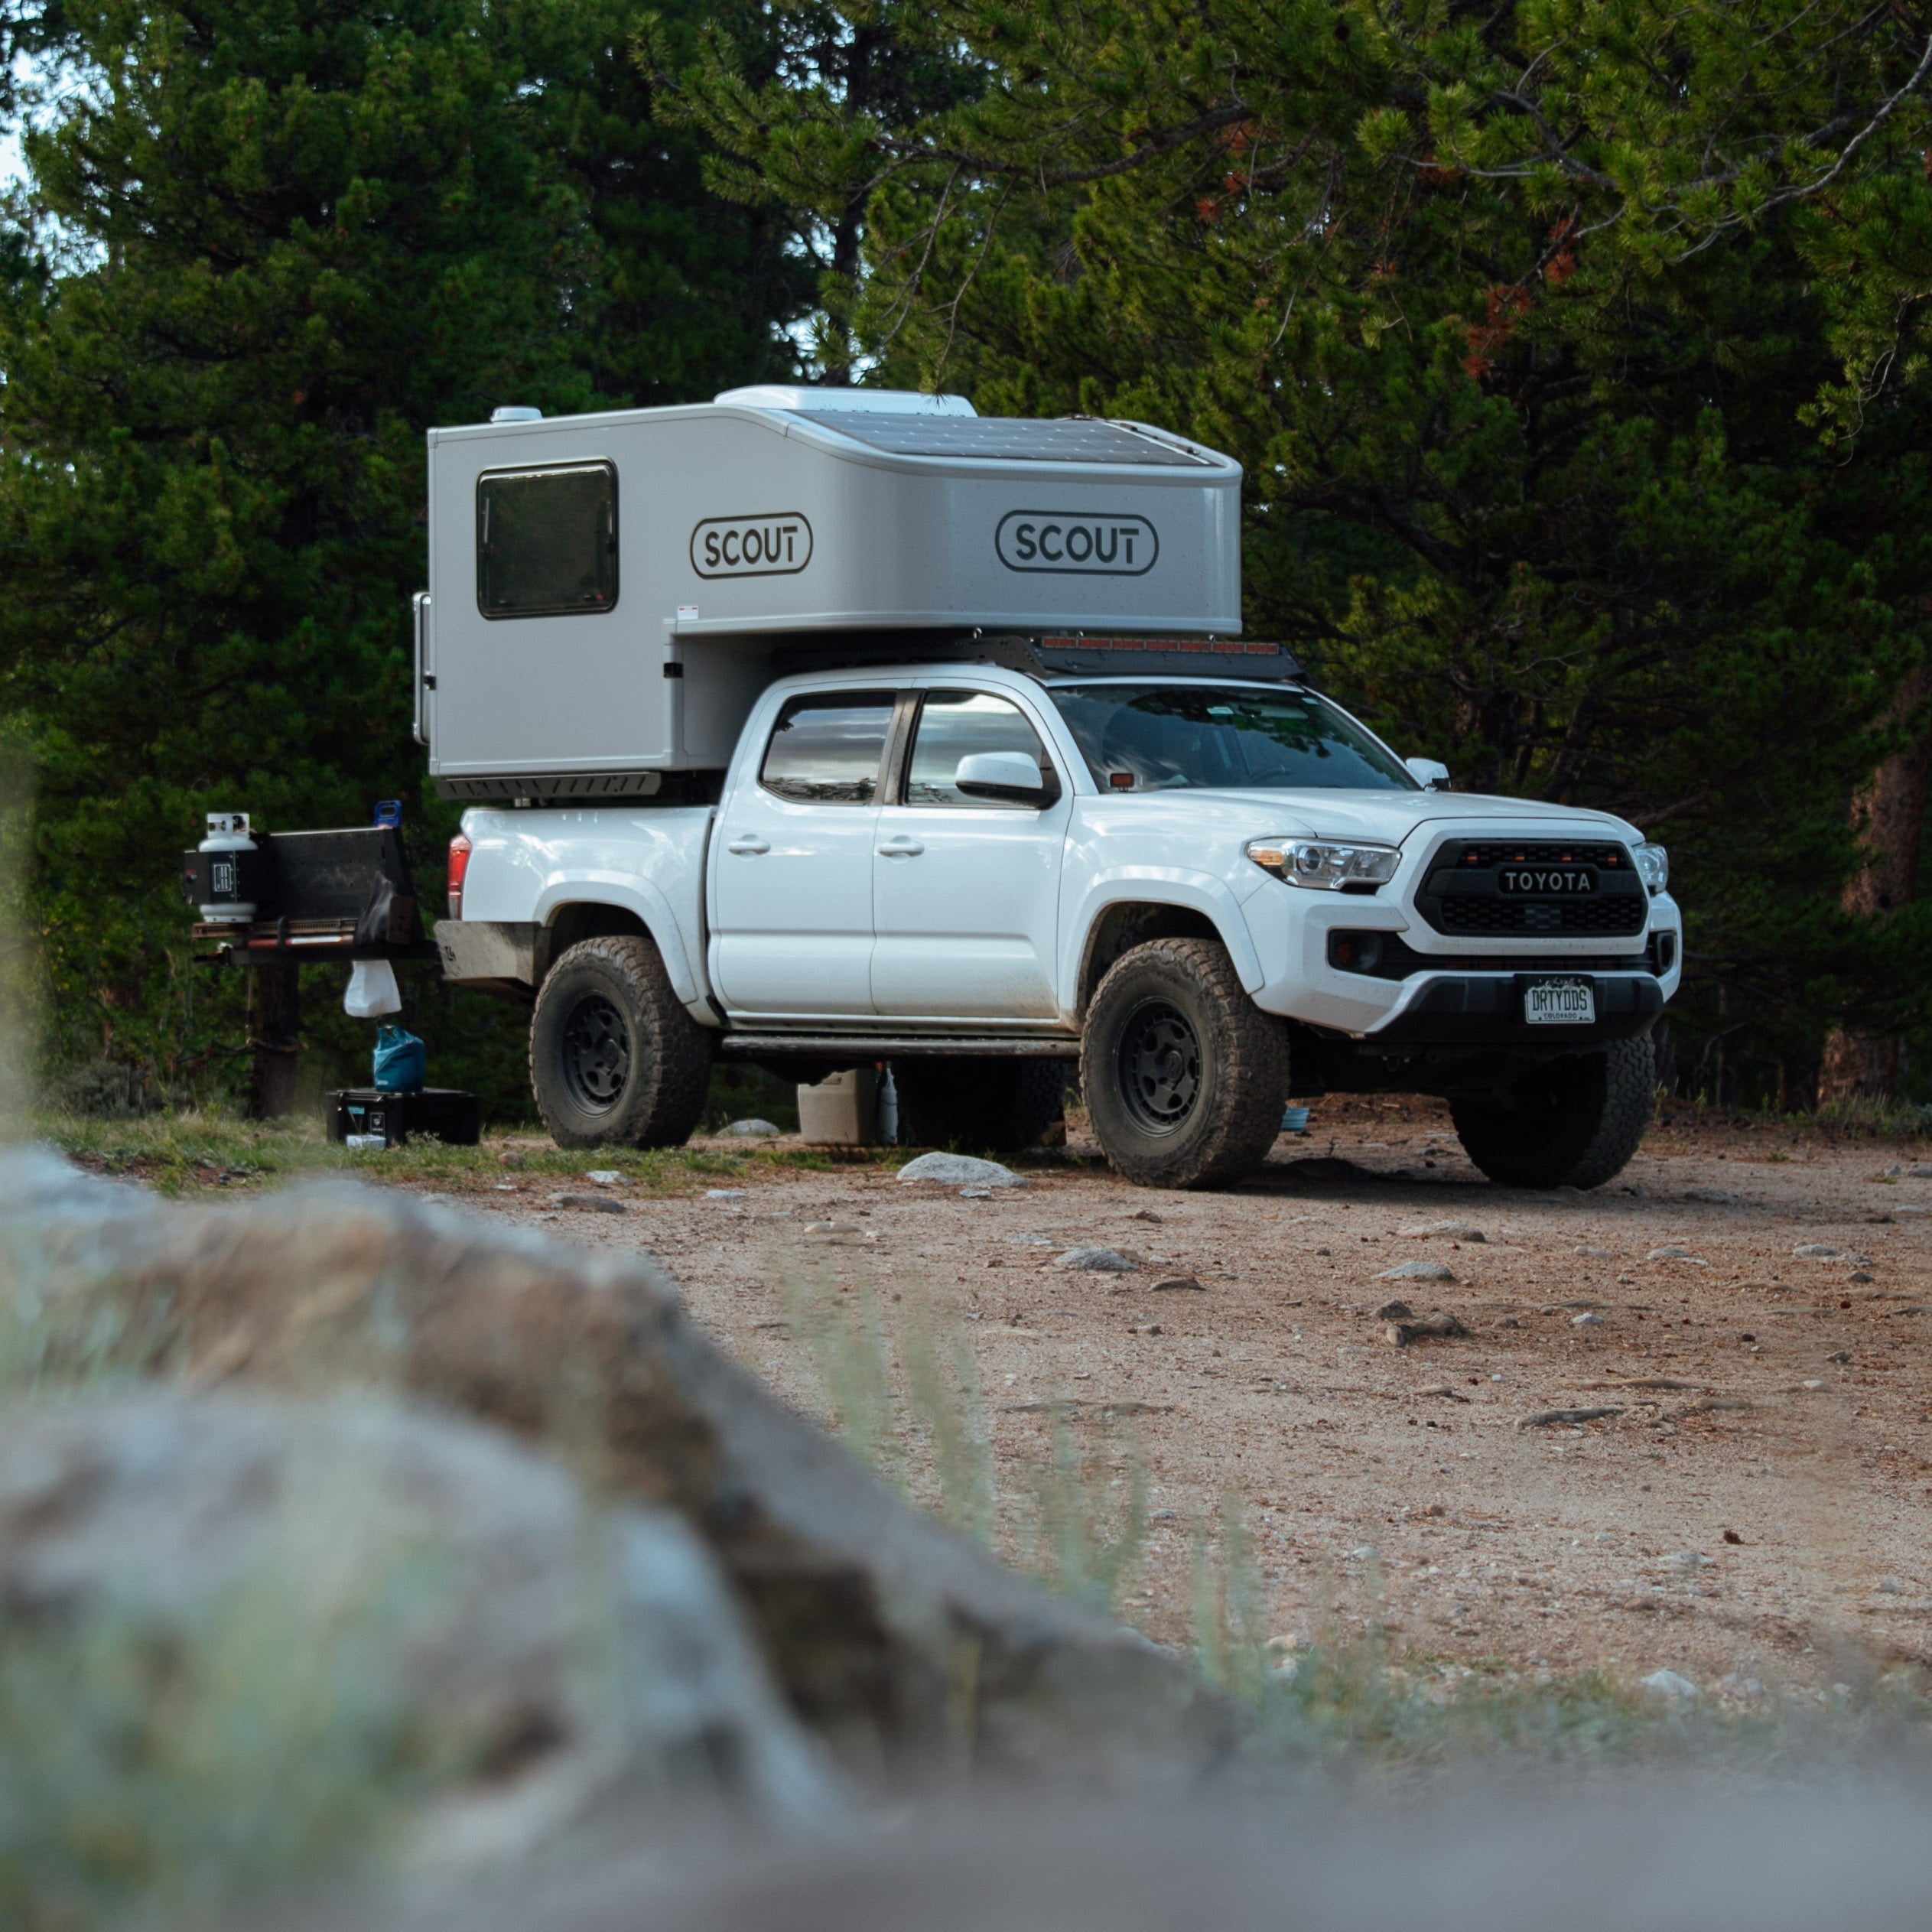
(547, 541)
(829, 749)
(955, 724)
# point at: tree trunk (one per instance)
(275, 1028)
(1888, 817)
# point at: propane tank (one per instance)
(228, 838)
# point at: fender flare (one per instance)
(1153, 885)
(632, 895)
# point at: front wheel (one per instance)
(615, 1059)
(1575, 1123)
(1184, 1075)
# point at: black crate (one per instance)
(442, 1112)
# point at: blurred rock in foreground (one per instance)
(904, 1649)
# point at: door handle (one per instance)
(746, 843)
(901, 847)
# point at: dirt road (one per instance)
(1749, 1504)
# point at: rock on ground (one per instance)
(558, 1650)
(961, 1170)
(896, 1641)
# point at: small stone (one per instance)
(1689, 1560)
(961, 1170)
(1146, 1213)
(1036, 1241)
(1818, 1251)
(1185, 1282)
(1598, 1253)
(1551, 1418)
(1416, 1271)
(1325, 1251)
(1586, 1321)
(1364, 1554)
(1395, 1312)
(1097, 1260)
(833, 1227)
(1509, 1322)
(1448, 1231)
(1859, 1275)
(724, 1194)
(1717, 1196)
(1670, 1254)
(1433, 1327)
(976, 1193)
(605, 1176)
(1813, 1384)
(1668, 1686)
(1840, 1355)
(595, 1204)
(1919, 1173)
(753, 1131)
(1732, 1536)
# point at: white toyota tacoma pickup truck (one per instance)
(1214, 894)
(956, 763)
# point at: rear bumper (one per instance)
(1465, 1010)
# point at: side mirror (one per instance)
(1429, 773)
(1010, 775)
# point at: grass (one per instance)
(190, 1152)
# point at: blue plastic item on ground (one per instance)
(401, 1064)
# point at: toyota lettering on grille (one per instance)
(1569, 882)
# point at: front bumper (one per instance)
(1467, 1009)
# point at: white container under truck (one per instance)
(821, 728)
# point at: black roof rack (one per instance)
(1169, 657)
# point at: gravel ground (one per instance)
(1749, 1508)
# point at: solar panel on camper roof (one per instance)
(1005, 438)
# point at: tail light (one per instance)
(459, 867)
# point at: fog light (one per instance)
(1355, 952)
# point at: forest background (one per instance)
(1576, 351)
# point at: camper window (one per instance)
(547, 541)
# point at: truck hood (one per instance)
(1389, 818)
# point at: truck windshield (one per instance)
(1220, 737)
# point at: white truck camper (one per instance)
(830, 728)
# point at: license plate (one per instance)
(1546, 882)
(1561, 1003)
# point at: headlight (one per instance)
(1324, 864)
(1654, 867)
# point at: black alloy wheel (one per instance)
(595, 1053)
(1159, 1066)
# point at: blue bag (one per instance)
(400, 1063)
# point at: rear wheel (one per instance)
(615, 1059)
(1575, 1123)
(1001, 1105)
(1184, 1075)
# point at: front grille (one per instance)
(1462, 893)
(1497, 918)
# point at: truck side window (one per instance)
(547, 541)
(829, 749)
(954, 724)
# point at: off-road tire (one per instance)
(1184, 1075)
(1576, 1122)
(997, 1106)
(615, 1059)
